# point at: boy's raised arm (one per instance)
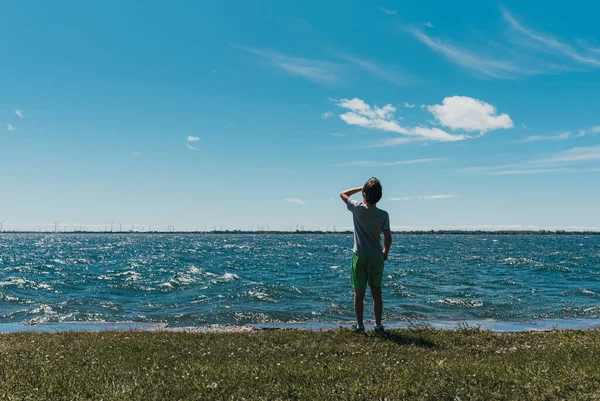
(345, 195)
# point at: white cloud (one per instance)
(408, 105)
(425, 197)
(469, 114)
(136, 153)
(429, 24)
(382, 118)
(192, 138)
(295, 200)
(549, 42)
(436, 134)
(396, 163)
(19, 113)
(387, 74)
(187, 145)
(10, 127)
(537, 138)
(596, 129)
(314, 70)
(580, 133)
(326, 115)
(388, 12)
(337, 134)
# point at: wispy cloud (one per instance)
(596, 129)
(548, 42)
(295, 200)
(387, 11)
(313, 70)
(192, 138)
(326, 115)
(573, 155)
(396, 163)
(425, 197)
(527, 171)
(408, 105)
(392, 76)
(19, 113)
(187, 145)
(537, 138)
(488, 66)
(566, 161)
(382, 118)
(392, 142)
(10, 127)
(429, 24)
(337, 134)
(528, 52)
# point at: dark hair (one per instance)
(372, 190)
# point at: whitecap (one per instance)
(469, 303)
(230, 276)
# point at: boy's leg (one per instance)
(375, 278)
(377, 304)
(358, 274)
(359, 305)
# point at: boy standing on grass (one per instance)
(368, 257)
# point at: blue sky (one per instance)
(239, 114)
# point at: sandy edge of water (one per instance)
(485, 324)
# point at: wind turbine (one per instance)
(111, 225)
(1, 226)
(120, 227)
(55, 224)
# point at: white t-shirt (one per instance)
(369, 223)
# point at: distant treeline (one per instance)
(412, 232)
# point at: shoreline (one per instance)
(497, 326)
(313, 232)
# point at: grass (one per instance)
(418, 363)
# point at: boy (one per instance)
(368, 257)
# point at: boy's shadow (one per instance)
(407, 339)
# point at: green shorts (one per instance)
(365, 269)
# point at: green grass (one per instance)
(418, 363)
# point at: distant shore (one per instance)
(329, 232)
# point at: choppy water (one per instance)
(209, 278)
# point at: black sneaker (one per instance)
(379, 329)
(358, 329)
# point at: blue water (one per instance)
(199, 279)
